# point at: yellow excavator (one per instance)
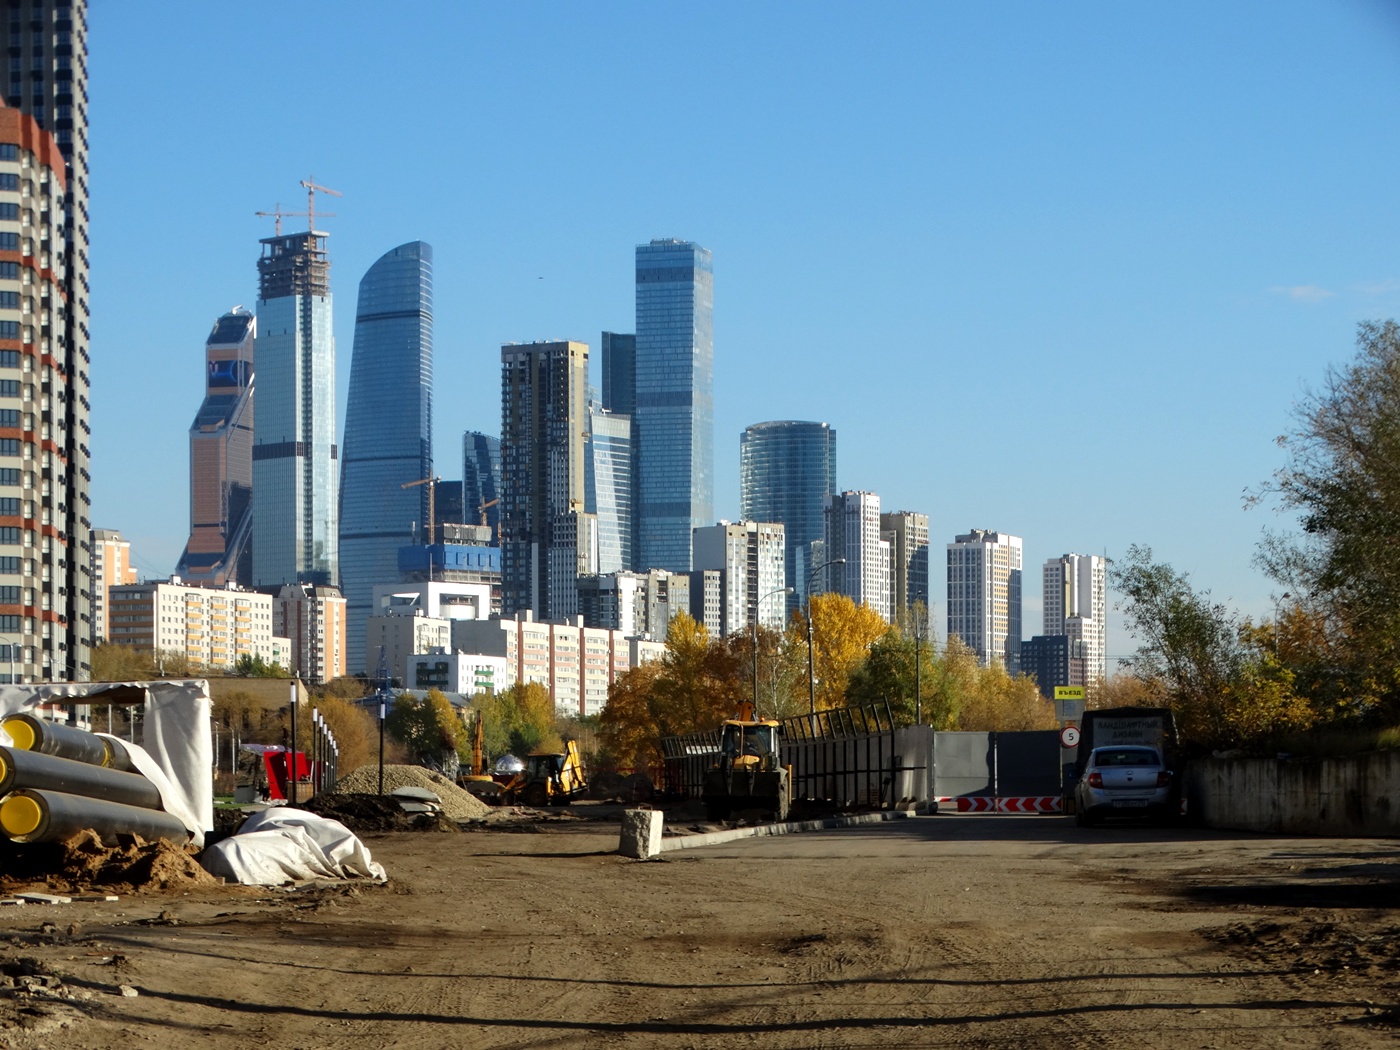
(548, 778)
(749, 774)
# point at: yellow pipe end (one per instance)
(4, 767)
(20, 815)
(21, 732)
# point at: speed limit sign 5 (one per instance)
(1069, 736)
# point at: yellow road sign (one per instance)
(1069, 692)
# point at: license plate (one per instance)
(1125, 803)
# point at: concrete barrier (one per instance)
(1354, 795)
(712, 838)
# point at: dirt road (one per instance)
(929, 932)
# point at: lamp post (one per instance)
(1281, 598)
(811, 660)
(918, 659)
(757, 612)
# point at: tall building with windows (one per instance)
(547, 538)
(611, 487)
(853, 533)
(787, 470)
(111, 567)
(388, 430)
(219, 550)
(984, 595)
(907, 534)
(1076, 604)
(749, 557)
(619, 360)
(296, 535)
(44, 361)
(481, 481)
(674, 422)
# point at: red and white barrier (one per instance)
(1012, 804)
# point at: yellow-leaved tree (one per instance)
(842, 634)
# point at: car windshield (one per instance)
(1126, 756)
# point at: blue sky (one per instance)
(1054, 269)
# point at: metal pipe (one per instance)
(31, 815)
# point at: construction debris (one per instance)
(457, 804)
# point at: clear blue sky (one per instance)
(1054, 269)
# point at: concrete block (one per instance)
(641, 833)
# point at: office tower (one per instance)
(295, 481)
(787, 469)
(1075, 604)
(907, 534)
(545, 532)
(111, 567)
(44, 362)
(749, 554)
(219, 549)
(610, 488)
(853, 533)
(388, 430)
(674, 424)
(984, 595)
(449, 509)
(619, 354)
(481, 481)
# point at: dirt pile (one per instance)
(457, 803)
(131, 866)
(362, 813)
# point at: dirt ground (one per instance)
(928, 931)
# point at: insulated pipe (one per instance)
(51, 738)
(34, 769)
(30, 815)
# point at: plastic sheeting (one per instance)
(176, 753)
(280, 845)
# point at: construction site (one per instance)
(397, 906)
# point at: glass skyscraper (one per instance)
(481, 481)
(787, 470)
(674, 422)
(619, 358)
(295, 533)
(388, 431)
(610, 486)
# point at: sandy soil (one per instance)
(930, 932)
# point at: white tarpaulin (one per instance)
(177, 751)
(281, 845)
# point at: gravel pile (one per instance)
(457, 804)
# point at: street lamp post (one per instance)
(1281, 598)
(811, 660)
(757, 612)
(918, 659)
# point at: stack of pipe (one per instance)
(57, 780)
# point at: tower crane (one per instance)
(309, 184)
(432, 485)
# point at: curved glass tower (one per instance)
(388, 431)
(787, 469)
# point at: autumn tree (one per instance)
(121, 663)
(888, 675)
(1224, 688)
(430, 729)
(842, 633)
(356, 730)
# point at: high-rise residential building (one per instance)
(907, 534)
(313, 620)
(619, 356)
(1047, 659)
(707, 600)
(984, 595)
(44, 361)
(111, 567)
(547, 538)
(219, 549)
(674, 421)
(481, 481)
(388, 430)
(296, 535)
(749, 555)
(787, 470)
(853, 534)
(1076, 604)
(208, 627)
(610, 489)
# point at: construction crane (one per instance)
(309, 184)
(482, 510)
(432, 484)
(278, 215)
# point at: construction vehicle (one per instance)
(749, 774)
(547, 778)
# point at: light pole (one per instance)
(811, 660)
(918, 659)
(757, 612)
(1281, 598)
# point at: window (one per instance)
(9, 151)
(9, 181)
(9, 211)
(11, 624)
(9, 446)
(9, 388)
(9, 242)
(9, 595)
(9, 506)
(9, 329)
(9, 534)
(9, 417)
(10, 566)
(9, 358)
(9, 271)
(9, 300)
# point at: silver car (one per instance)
(1124, 781)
